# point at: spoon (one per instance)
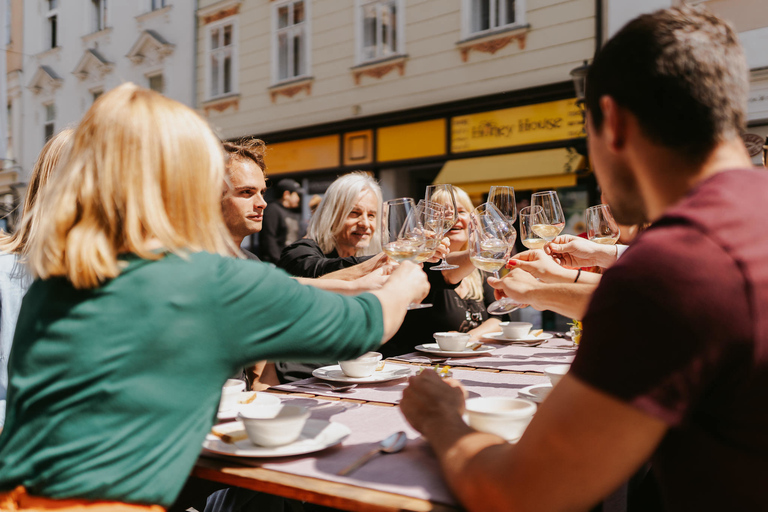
(315, 385)
(392, 444)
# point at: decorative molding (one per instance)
(45, 78)
(379, 68)
(493, 42)
(92, 62)
(222, 104)
(291, 89)
(88, 38)
(219, 11)
(150, 42)
(141, 18)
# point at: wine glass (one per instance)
(503, 198)
(443, 195)
(402, 234)
(553, 215)
(601, 226)
(491, 238)
(531, 216)
(431, 217)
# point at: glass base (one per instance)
(444, 266)
(414, 305)
(503, 306)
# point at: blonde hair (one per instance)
(343, 194)
(47, 160)
(144, 172)
(474, 280)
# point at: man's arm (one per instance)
(574, 251)
(580, 446)
(359, 270)
(567, 299)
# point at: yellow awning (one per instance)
(548, 168)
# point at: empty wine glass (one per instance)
(431, 217)
(531, 216)
(553, 215)
(601, 226)
(443, 195)
(503, 198)
(491, 238)
(402, 234)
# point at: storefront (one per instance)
(531, 140)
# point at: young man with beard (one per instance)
(673, 364)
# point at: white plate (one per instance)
(434, 348)
(499, 336)
(333, 373)
(262, 399)
(535, 393)
(317, 435)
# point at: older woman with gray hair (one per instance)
(343, 231)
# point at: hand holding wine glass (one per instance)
(531, 216)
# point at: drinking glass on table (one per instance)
(503, 198)
(402, 234)
(554, 220)
(529, 217)
(443, 195)
(491, 238)
(601, 226)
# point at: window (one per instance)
(156, 4)
(290, 40)
(99, 15)
(8, 13)
(157, 83)
(222, 56)
(489, 15)
(50, 118)
(95, 94)
(380, 35)
(52, 20)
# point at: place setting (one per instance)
(519, 333)
(539, 392)
(455, 344)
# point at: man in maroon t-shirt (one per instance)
(673, 366)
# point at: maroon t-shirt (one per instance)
(679, 329)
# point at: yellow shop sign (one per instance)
(531, 124)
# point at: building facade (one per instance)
(473, 92)
(75, 50)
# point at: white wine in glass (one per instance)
(531, 216)
(601, 226)
(443, 195)
(554, 220)
(402, 234)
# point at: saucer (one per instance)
(333, 373)
(535, 393)
(434, 348)
(262, 399)
(317, 435)
(499, 336)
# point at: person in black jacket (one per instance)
(281, 221)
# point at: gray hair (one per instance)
(340, 198)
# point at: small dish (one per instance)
(274, 426)
(317, 435)
(536, 393)
(363, 366)
(452, 341)
(434, 348)
(556, 372)
(499, 336)
(333, 373)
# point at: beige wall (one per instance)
(14, 56)
(560, 38)
(744, 14)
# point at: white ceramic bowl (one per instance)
(515, 330)
(230, 393)
(555, 373)
(363, 366)
(505, 417)
(274, 426)
(452, 341)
